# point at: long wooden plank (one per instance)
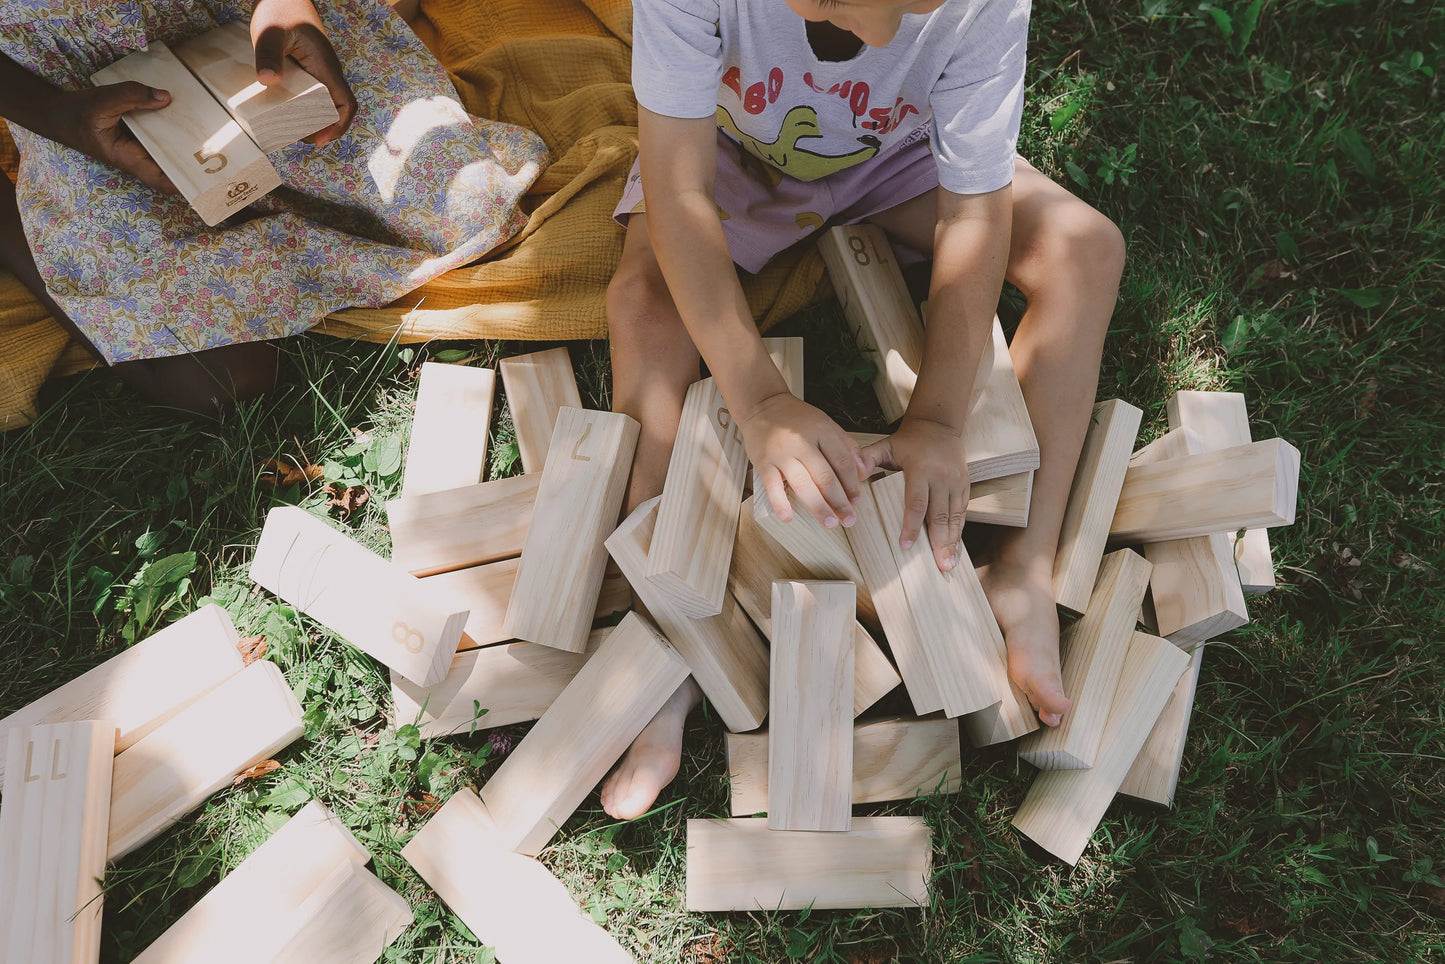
(896, 758)
(140, 688)
(787, 355)
(1154, 775)
(1063, 807)
(352, 919)
(538, 386)
(564, 559)
(52, 841)
(998, 436)
(378, 608)
(582, 734)
(205, 153)
(1003, 501)
(485, 591)
(448, 446)
(741, 865)
(1092, 498)
(726, 655)
(510, 902)
(462, 527)
(178, 765)
(1094, 650)
(822, 553)
(701, 497)
(810, 750)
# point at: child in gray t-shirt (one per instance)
(760, 120)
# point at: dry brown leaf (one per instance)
(251, 648)
(258, 771)
(422, 805)
(284, 473)
(344, 499)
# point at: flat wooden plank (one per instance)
(582, 734)
(810, 751)
(353, 919)
(144, 686)
(701, 497)
(741, 865)
(1093, 650)
(377, 607)
(1154, 775)
(485, 591)
(462, 527)
(787, 354)
(563, 561)
(1003, 501)
(170, 772)
(511, 903)
(998, 436)
(896, 758)
(1063, 807)
(1242, 487)
(538, 386)
(448, 446)
(1093, 496)
(726, 655)
(822, 553)
(52, 841)
(205, 153)
(224, 61)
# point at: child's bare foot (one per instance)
(652, 760)
(1022, 599)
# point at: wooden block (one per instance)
(178, 765)
(1093, 650)
(538, 386)
(810, 750)
(351, 919)
(564, 559)
(821, 553)
(485, 591)
(741, 865)
(726, 655)
(701, 497)
(462, 527)
(375, 606)
(224, 61)
(787, 354)
(998, 435)
(1154, 775)
(757, 561)
(144, 686)
(1222, 420)
(897, 758)
(511, 903)
(205, 153)
(1092, 498)
(1003, 501)
(1062, 807)
(448, 447)
(1242, 487)
(52, 841)
(582, 734)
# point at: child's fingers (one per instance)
(776, 492)
(842, 453)
(801, 480)
(915, 509)
(830, 485)
(270, 46)
(877, 456)
(945, 525)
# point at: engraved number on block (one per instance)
(202, 158)
(859, 246)
(577, 448)
(725, 419)
(55, 773)
(408, 637)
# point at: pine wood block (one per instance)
(1063, 807)
(448, 447)
(381, 610)
(1003, 501)
(485, 591)
(52, 841)
(585, 730)
(757, 561)
(538, 386)
(564, 559)
(206, 154)
(1222, 420)
(178, 765)
(144, 686)
(726, 655)
(1154, 775)
(510, 902)
(1093, 651)
(787, 354)
(701, 497)
(741, 865)
(462, 527)
(1241, 487)
(998, 435)
(821, 552)
(1092, 499)
(224, 61)
(810, 749)
(351, 919)
(897, 758)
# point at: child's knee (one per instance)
(1074, 241)
(639, 305)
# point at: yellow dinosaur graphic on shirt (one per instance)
(783, 152)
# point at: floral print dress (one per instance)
(415, 187)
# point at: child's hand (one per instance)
(92, 125)
(935, 482)
(790, 441)
(292, 28)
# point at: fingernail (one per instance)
(830, 522)
(949, 561)
(907, 543)
(159, 95)
(1050, 719)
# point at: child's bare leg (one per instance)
(653, 363)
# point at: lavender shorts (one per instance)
(764, 211)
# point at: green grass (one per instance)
(1275, 168)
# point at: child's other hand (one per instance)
(790, 441)
(93, 126)
(935, 482)
(292, 28)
